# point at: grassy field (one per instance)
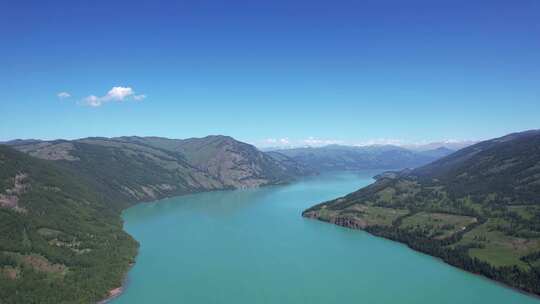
(364, 215)
(498, 248)
(437, 225)
(376, 216)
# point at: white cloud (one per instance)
(93, 101)
(139, 97)
(278, 141)
(118, 94)
(313, 141)
(286, 142)
(274, 142)
(380, 141)
(63, 95)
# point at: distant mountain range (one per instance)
(337, 157)
(448, 144)
(477, 209)
(453, 145)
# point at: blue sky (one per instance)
(270, 71)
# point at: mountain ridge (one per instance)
(340, 157)
(162, 167)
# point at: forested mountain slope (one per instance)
(478, 209)
(60, 240)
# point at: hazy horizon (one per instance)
(311, 142)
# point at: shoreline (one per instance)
(117, 291)
(499, 283)
(113, 293)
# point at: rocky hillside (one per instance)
(478, 209)
(336, 157)
(146, 168)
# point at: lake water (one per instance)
(253, 246)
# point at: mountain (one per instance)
(148, 168)
(448, 144)
(337, 157)
(20, 142)
(477, 209)
(60, 239)
(437, 153)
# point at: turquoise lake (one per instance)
(253, 246)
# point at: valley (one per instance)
(269, 152)
(61, 201)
